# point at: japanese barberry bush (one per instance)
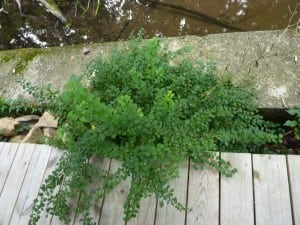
(151, 114)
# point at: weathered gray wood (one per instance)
(7, 156)
(168, 215)
(31, 184)
(22, 167)
(236, 199)
(95, 209)
(1, 146)
(14, 182)
(146, 215)
(272, 199)
(203, 197)
(112, 212)
(51, 165)
(294, 172)
(55, 220)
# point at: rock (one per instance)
(86, 50)
(49, 132)
(33, 136)
(31, 124)
(12, 41)
(27, 118)
(7, 126)
(17, 139)
(47, 120)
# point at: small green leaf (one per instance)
(293, 112)
(161, 204)
(290, 123)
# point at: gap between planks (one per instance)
(268, 176)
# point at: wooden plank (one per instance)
(294, 173)
(7, 156)
(146, 214)
(95, 209)
(14, 182)
(51, 165)
(112, 212)
(271, 190)
(31, 184)
(203, 197)
(168, 215)
(1, 147)
(94, 212)
(236, 199)
(55, 220)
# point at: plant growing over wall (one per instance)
(150, 114)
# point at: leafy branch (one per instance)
(151, 116)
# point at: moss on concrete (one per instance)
(20, 58)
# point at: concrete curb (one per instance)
(268, 61)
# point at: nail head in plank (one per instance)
(294, 172)
(236, 199)
(203, 197)
(272, 199)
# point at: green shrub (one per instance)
(151, 115)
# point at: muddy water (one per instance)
(118, 19)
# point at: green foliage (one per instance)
(295, 124)
(16, 108)
(151, 115)
(23, 127)
(43, 98)
(95, 12)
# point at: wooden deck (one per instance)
(265, 191)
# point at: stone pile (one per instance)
(28, 128)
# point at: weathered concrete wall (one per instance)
(268, 61)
